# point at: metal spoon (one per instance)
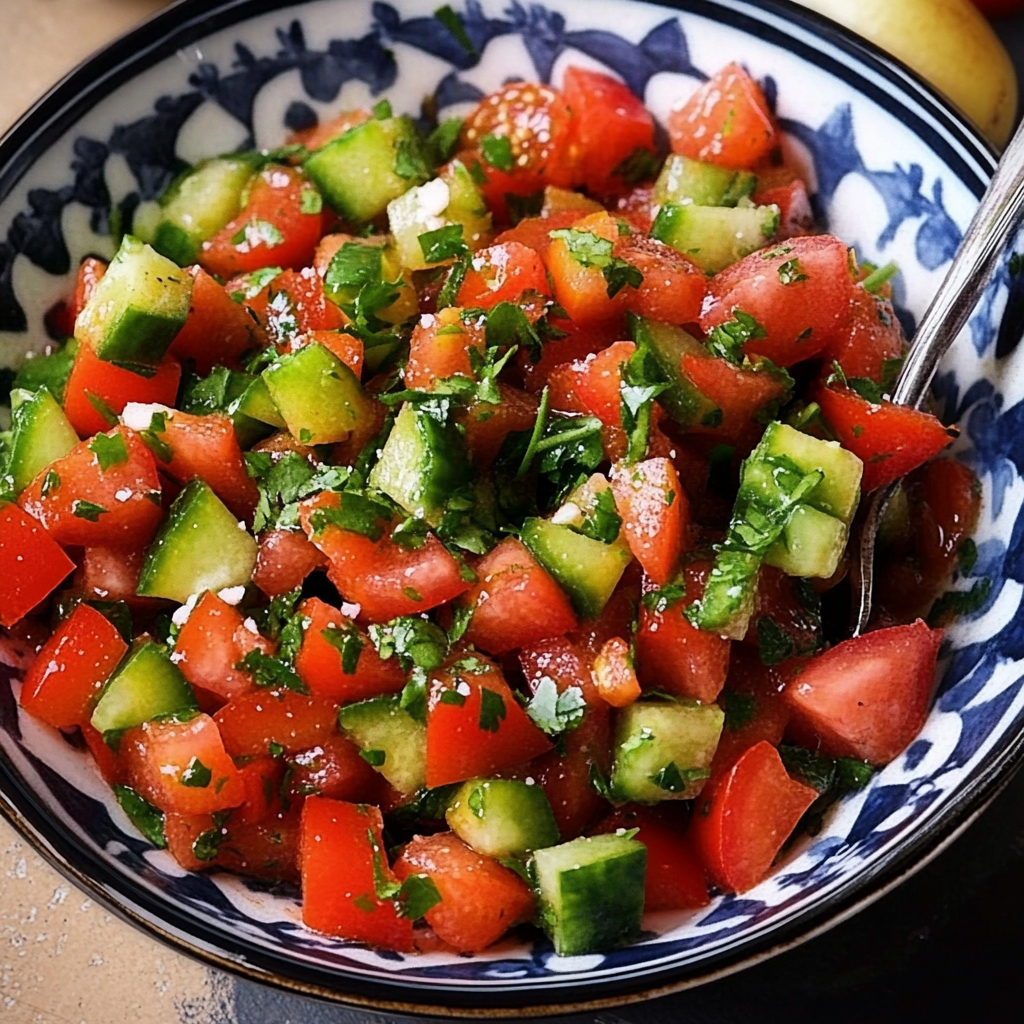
(996, 218)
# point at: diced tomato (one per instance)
(207, 649)
(538, 123)
(347, 348)
(952, 502)
(889, 439)
(581, 288)
(725, 122)
(272, 231)
(673, 655)
(598, 381)
(292, 721)
(98, 391)
(866, 697)
(565, 778)
(475, 726)
(739, 392)
(744, 815)
(285, 559)
(578, 343)
(614, 673)
(66, 678)
(266, 849)
(535, 232)
(488, 425)
(515, 602)
(795, 215)
(320, 134)
(337, 660)
(655, 514)
(871, 337)
(294, 304)
(109, 764)
(675, 876)
(673, 287)
(382, 577)
(112, 574)
(342, 858)
(439, 348)
(616, 619)
(103, 492)
(181, 832)
(262, 778)
(610, 124)
(207, 447)
(218, 331)
(502, 273)
(333, 768)
(797, 291)
(793, 612)
(32, 565)
(755, 708)
(480, 898)
(182, 767)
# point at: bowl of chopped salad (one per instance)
(434, 437)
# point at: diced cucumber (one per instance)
(715, 237)
(663, 750)
(392, 740)
(682, 401)
(502, 817)
(730, 594)
(50, 372)
(360, 172)
(422, 463)
(145, 685)
(407, 303)
(222, 391)
(812, 544)
(319, 398)
(137, 308)
(201, 546)
(591, 892)
(839, 491)
(453, 198)
(587, 570)
(255, 403)
(40, 434)
(687, 181)
(198, 204)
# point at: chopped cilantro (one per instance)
(739, 708)
(774, 644)
(492, 710)
(602, 522)
(727, 340)
(87, 510)
(51, 482)
(310, 201)
(374, 758)
(410, 162)
(414, 641)
(674, 779)
(874, 281)
(271, 672)
(417, 895)
(355, 513)
(258, 232)
(555, 712)
(590, 250)
(442, 244)
(109, 450)
(660, 600)
(497, 151)
(196, 775)
(444, 140)
(382, 110)
(349, 643)
(955, 603)
(148, 819)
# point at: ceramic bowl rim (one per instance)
(66, 102)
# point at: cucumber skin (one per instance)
(41, 434)
(599, 904)
(221, 554)
(145, 685)
(683, 179)
(513, 817)
(715, 237)
(682, 401)
(811, 545)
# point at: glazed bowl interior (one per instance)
(894, 173)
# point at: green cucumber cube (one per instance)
(687, 181)
(811, 544)
(360, 172)
(319, 398)
(145, 685)
(502, 818)
(50, 372)
(201, 546)
(663, 750)
(715, 237)
(255, 403)
(422, 463)
(452, 198)
(198, 204)
(687, 405)
(591, 892)
(839, 491)
(587, 570)
(137, 308)
(392, 740)
(40, 434)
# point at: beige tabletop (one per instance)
(63, 958)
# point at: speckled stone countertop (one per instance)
(946, 944)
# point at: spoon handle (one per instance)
(995, 220)
(997, 217)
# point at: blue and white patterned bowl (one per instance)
(894, 171)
